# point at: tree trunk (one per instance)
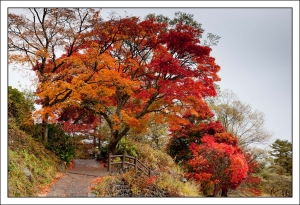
(45, 123)
(224, 192)
(115, 139)
(112, 146)
(45, 130)
(99, 143)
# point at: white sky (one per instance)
(254, 52)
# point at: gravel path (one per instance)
(76, 181)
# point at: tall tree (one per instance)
(240, 119)
(282, 153)
(36, 41)
(127, 68)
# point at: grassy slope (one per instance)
(169, 179)
(24, 152)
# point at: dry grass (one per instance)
(169, 178)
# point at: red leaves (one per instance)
(215, 160)
(78, 119)
(218, 164)
(150, 180)
(123, 69)
(227, 138)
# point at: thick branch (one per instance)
(56, 100)
(145, 108)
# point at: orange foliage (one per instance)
(123, 68)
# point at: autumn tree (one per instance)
(156, 135)
(240, 119)
(37, 40)
(216, 165)
(209, 155)
(127, 68)
(251, 185)
(192, 132)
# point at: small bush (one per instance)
(125, 146)
(60, 143)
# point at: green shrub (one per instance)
(60, 143)
(126, 146)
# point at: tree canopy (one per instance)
(282, 153)
(121, 69)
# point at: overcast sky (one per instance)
(254, 52)
(255, 55)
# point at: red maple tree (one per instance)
(217, 166)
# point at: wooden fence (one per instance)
(131, 161)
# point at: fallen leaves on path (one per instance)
(96, 181)
(46, 188)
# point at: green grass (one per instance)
(25, 152)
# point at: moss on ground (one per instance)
(26, 154)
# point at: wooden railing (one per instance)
(131, 161)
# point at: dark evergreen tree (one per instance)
(282, 153)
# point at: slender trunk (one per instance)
(45, 123)
(215, 190)
(99, 143)
(224, 192)
(45, 130)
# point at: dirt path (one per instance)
(76, 181)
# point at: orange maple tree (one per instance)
(124, 69)
(37, 38)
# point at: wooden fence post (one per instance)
(109, 160)
(123, 160)
(135, 163)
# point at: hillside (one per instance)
(168, 181)
(30, 166)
